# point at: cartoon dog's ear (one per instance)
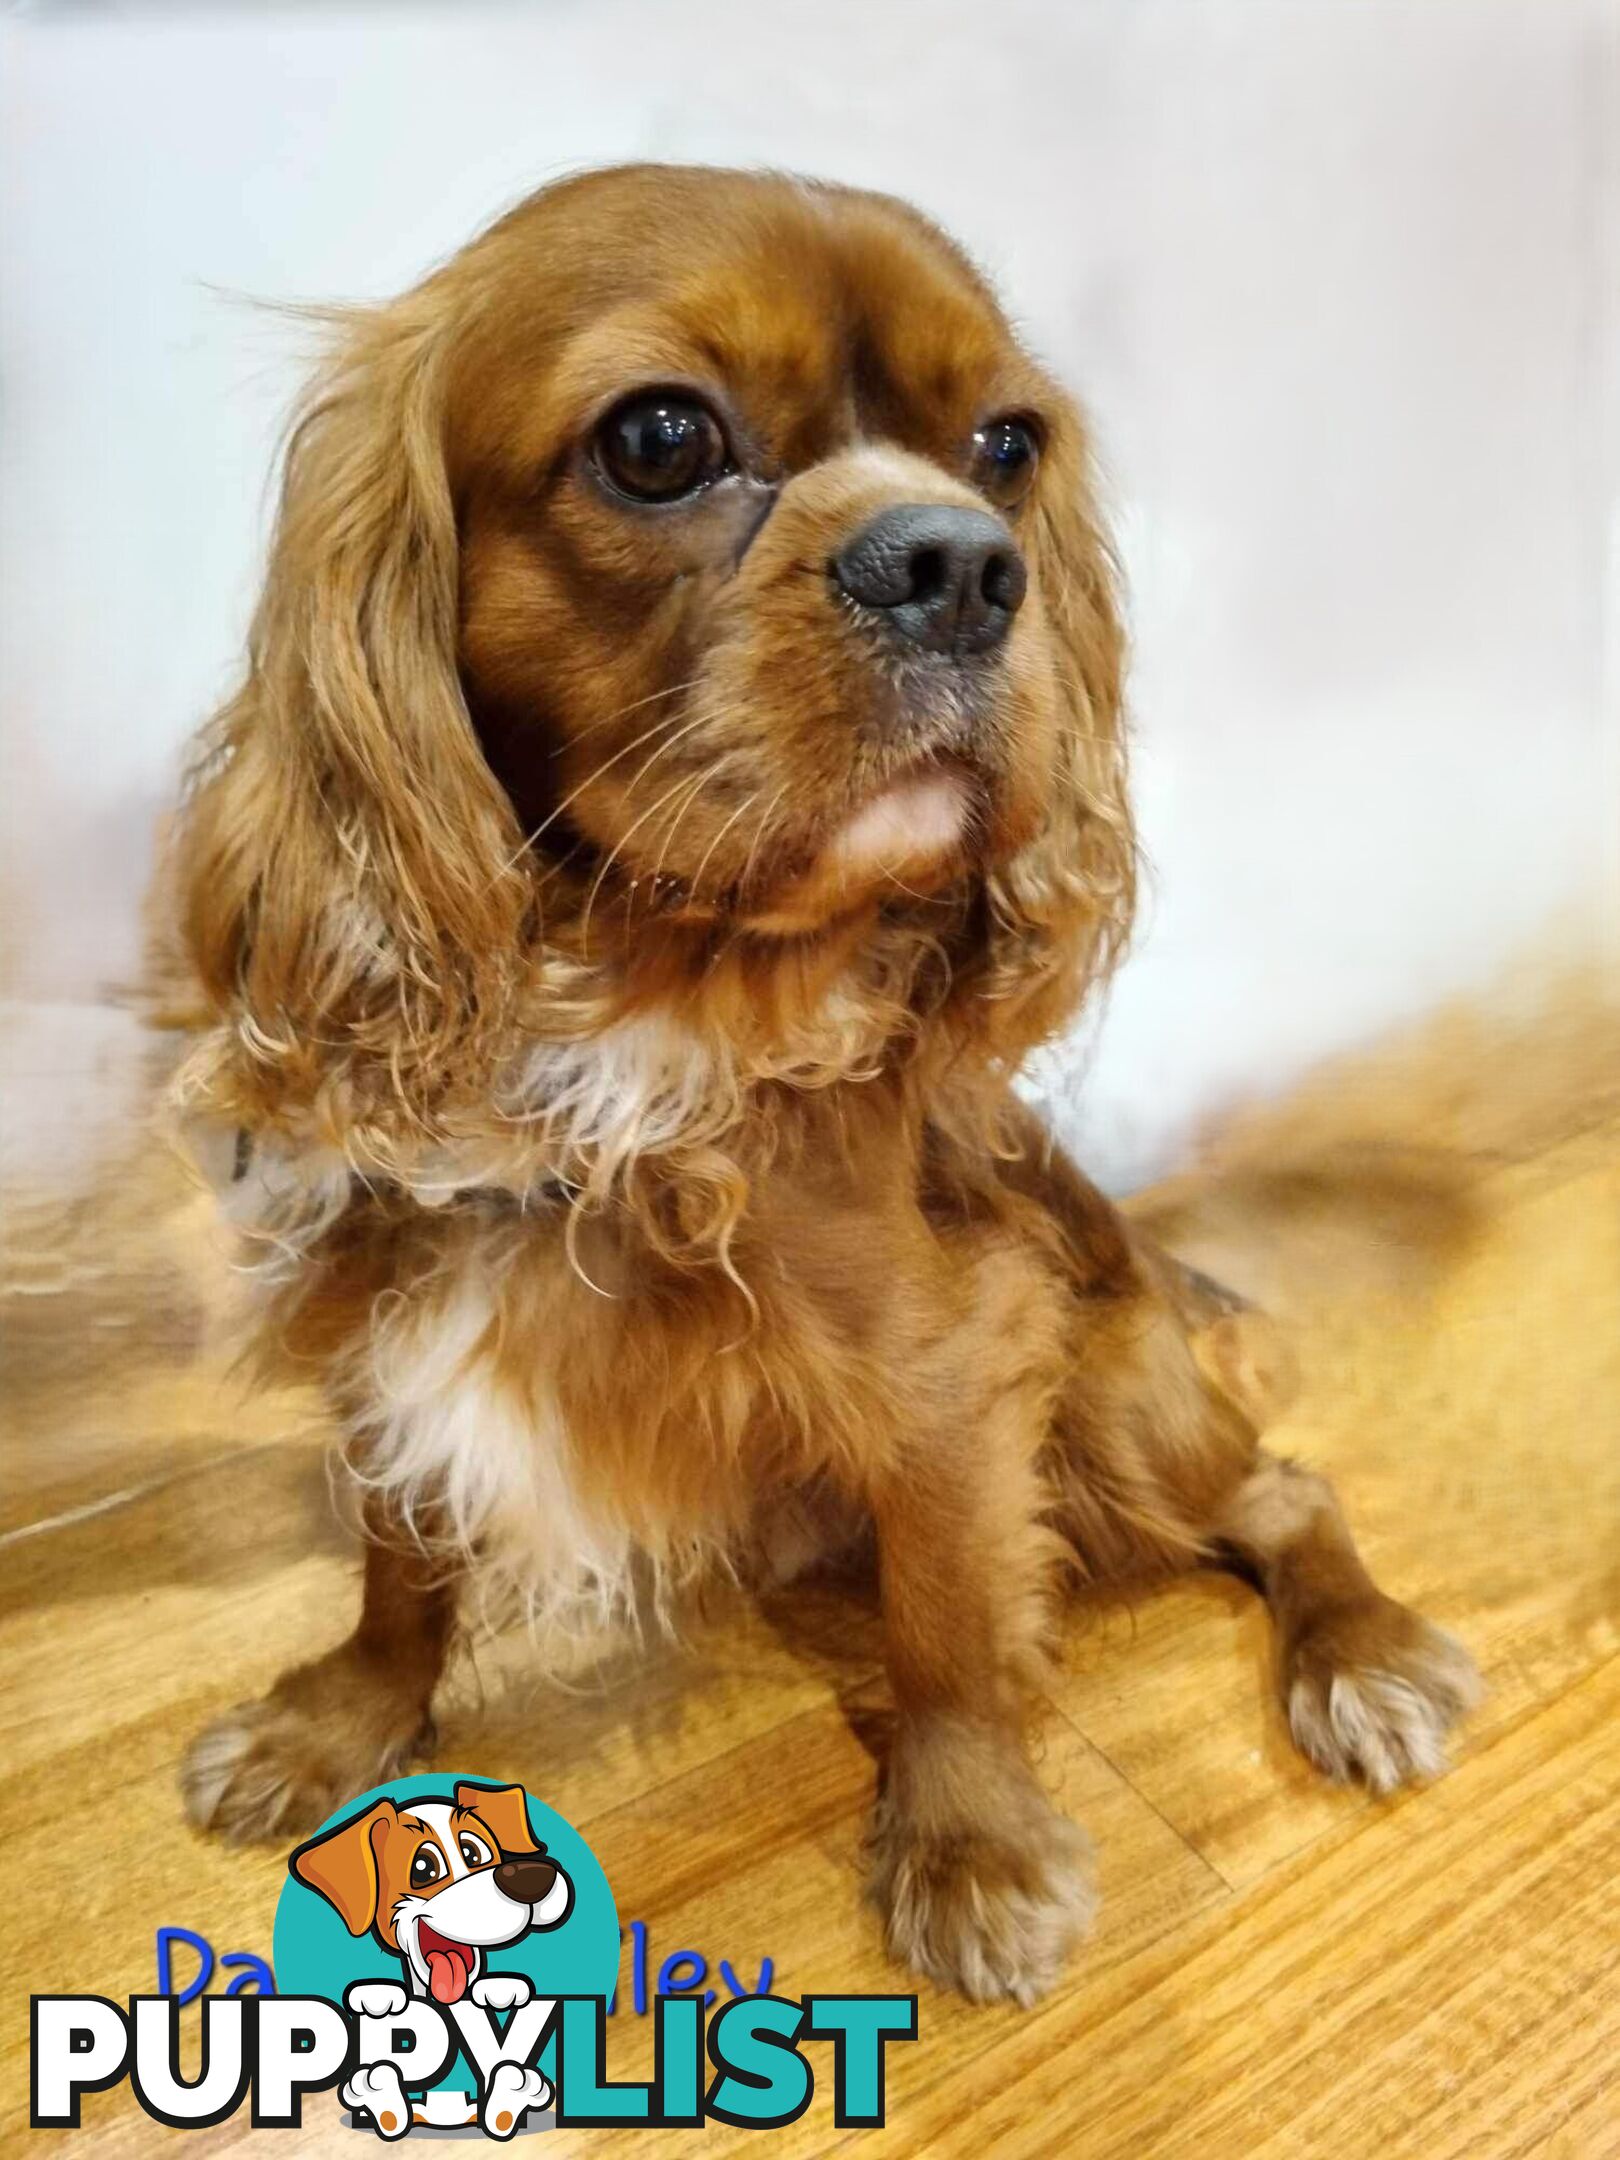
(342, 1865)
(504, 1809)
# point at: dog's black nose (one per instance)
(527, 1880)
(945, 579)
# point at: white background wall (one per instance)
(1337, 277)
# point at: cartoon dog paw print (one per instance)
(513, 2088)
(381, 2092)
(376, 1998)
(499, 1991)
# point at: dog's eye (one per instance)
(1005, 455)
(659, 446)
(474, 1851)
(426, 1868)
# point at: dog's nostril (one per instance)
(945, 579)
(1003, 579)
(927, 573)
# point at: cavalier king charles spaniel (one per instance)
(678, 778)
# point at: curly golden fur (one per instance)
(617, 951)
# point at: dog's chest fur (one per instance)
(598, 1424)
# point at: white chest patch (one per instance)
(447, 1435)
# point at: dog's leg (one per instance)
(349, 1720)
(1370, 1687)
(1158, 1469)
(981, 1882)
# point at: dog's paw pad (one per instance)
(1373, 1696)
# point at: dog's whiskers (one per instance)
(686, 780)
(761, 825)
(680, 814)
(745, 805)
(596, 773)
(668, 690)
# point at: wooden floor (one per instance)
(1279, 1968)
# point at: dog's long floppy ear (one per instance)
(347, 869)
(1059, 913)
(341, 1865)
(505, 1810)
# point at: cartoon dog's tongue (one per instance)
(449, 1964)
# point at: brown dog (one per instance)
(678, 778)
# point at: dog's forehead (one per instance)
(821, 310)
(436, 1814)
(429, 1821)
(871, 324)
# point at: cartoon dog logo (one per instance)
(438, 1883)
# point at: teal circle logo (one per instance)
(459, 1892)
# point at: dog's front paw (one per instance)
(501, 1991)
(991, 1913)
(379, 2089)
(269, 1769)
(376, 1998)
(1372, 1690)
(514, 2088)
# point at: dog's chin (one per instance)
(912, 837)
(916, 824)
